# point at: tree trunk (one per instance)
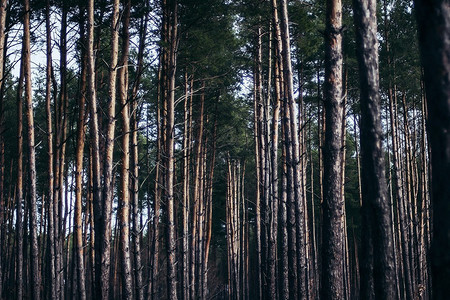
(197, 198)
(100, 290)
(186, 198)
(170, 139)
(20, 199)
(136, 237)
(300, 210)
(3, 5)
(333, 210)
(208, 212)
(257, 138)
(434, 41)
(103, 238)
(376, 207)
(124, 200)
(273, 238)
(34, 251)
(81, 274)
(61, 125)
(51, 231)
(284, 288)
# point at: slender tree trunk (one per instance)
(403, 229)
(320, 129)
(154, 242)
(103, 238)
(19, 187)
(296, 164)
(81, 274)
(3, 5)
(136, 237)
(208, 212)
(100, 289)
(51, 225)
(274, 195)
(410, 196)
(186, 199)
(34, 259)
(124, 200)
(344, 151)
(333, 211)
(170, 139)
(233, 227)
(197, 198)
(257, 137)
(424, 227)
(284, 289)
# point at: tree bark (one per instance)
(434, 41)
(124, 200)
(104, 229)
(136, 238)
(170, 139)
(333, 210)
(375, 201)
(35, 278)
(257, 138)
(100, 289)
(3, 5)
(186, 198)
(19, 210)
(300, 210)
(51, 231)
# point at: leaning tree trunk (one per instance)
(375, 201)
(434, 41)
(333, 210)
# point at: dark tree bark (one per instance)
(137, 236)
(375, 202)
(434, 41)
(61, 125)
(333, 209)
(3, 5)
(51, 225)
